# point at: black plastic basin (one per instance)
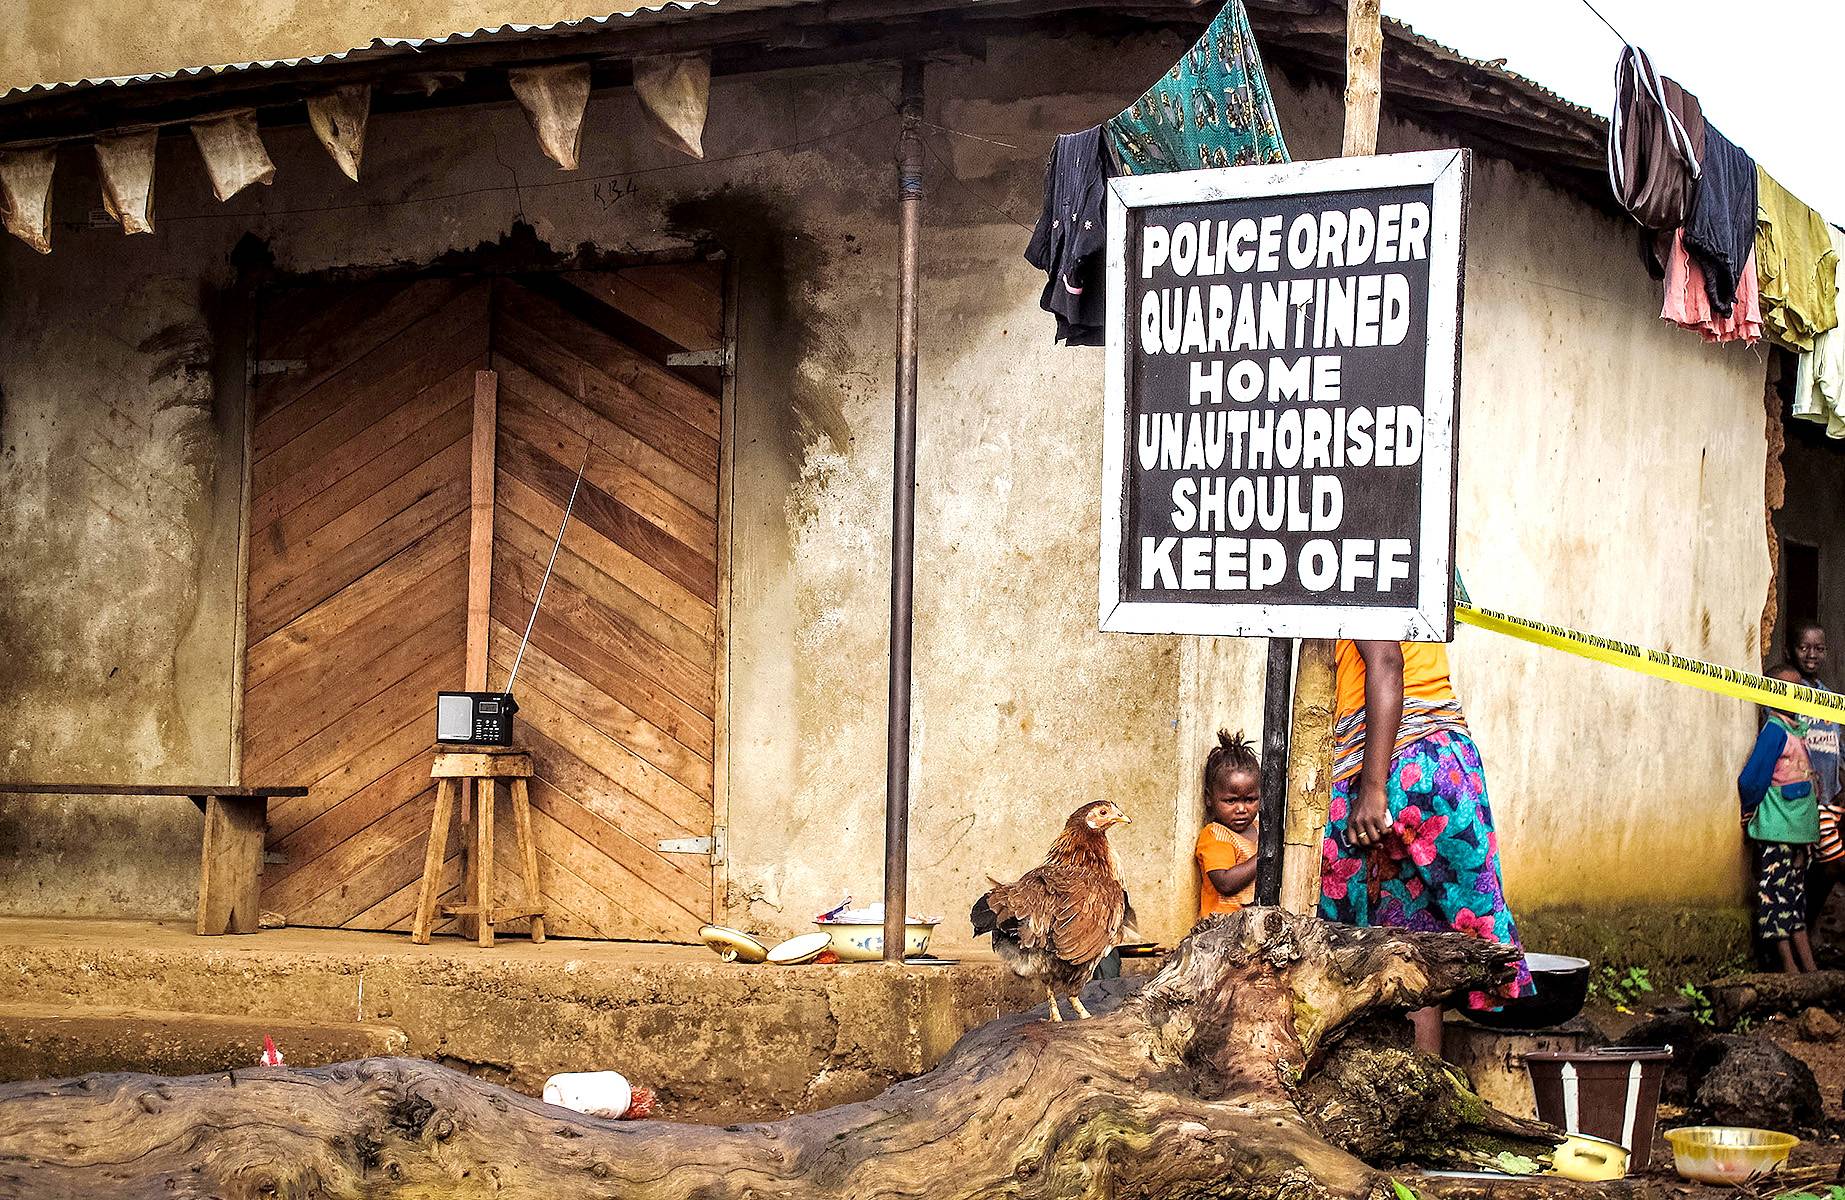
(1562, 988)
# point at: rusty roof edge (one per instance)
(1521, 101)
(1522, 82)
(376, 48)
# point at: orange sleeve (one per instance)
(1216, 853)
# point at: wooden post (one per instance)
(1274, 794)
(1309, 776)
(1310, 752)
(480, 526)
(482, 464)
(1364, 52)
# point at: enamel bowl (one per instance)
(1728, 1153)
(865, 943)
(733, 945)
(797, 950)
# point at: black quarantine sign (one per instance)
(1284, 350)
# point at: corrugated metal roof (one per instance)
(377, 48)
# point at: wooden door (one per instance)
(358, 584)
(617, 689)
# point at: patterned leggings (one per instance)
(1780, 890)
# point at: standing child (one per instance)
(1226, 849)
(1806, 653)
(1781, 818)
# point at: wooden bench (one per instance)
(231, 861)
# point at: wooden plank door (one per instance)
(357, 581)
(616, 693)
(358, 570)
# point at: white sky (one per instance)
(1769, 73)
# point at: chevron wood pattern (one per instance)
(358, 569)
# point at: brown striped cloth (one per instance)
(1421, 718)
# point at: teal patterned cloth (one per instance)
(1212, 109)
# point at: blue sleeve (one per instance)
(1758, 773)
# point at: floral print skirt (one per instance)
(1438, 869)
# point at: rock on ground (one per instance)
(1742, 1080)
(1818, 1025)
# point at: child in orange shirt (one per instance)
(1226, 849)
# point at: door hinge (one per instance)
(719, 358)
(713, 845)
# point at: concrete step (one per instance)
(39, 1041)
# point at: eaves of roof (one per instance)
(1481, 102)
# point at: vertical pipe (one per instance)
(1276, 703)
(903, 521)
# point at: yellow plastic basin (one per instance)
(1728, 1153)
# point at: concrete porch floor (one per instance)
(717, 1041)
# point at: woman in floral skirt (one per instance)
(1409, 837)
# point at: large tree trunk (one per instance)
(1187, 1089)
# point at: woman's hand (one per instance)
(1370, 819)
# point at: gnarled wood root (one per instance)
(1187, 1089)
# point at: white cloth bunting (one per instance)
(339, 120)
(126, 164)
(25, 194)
(675, 89)
(233, 151)
(554, 99)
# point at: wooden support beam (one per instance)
(1310, 749)
(480, 526)
(1364, 49)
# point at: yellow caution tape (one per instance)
(1725, 681)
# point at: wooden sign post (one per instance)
(1305, 786)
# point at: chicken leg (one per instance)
(1055, 1015)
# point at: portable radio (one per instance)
(475, 718)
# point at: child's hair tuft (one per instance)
(1232, 753)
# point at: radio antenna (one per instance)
(555, 547)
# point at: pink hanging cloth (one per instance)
(1688, 304)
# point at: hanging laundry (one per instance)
(1067, 244)
(1720, 232)
(1212, 109)
(1819, 380)
(1688, 301)
(1797, 266)
(1655, 143)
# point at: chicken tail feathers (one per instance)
(984, 918)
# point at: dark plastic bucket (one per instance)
(1611, 1093)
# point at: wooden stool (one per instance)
(481, 769)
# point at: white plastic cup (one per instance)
(595, 1093)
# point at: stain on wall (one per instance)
(1584, 426)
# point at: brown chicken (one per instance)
(1060, 919)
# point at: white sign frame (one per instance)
(1431, 617)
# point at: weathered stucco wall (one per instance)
(117, 581)
(57, 40)
(1611, 476)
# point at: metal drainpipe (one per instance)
(903, 522)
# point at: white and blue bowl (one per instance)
(865, 943)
